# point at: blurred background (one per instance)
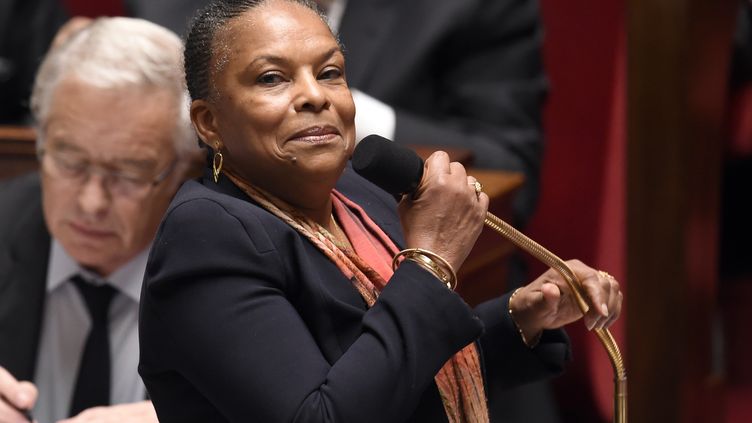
(646, 174)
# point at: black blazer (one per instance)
(244, 320)
(463, 73)
(24, 252)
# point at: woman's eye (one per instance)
(331, 73)
(270, 79)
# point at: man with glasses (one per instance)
(114, 143)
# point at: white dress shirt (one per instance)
(65, 326)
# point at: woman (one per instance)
(270, 293)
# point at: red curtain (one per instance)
(93, 9)
(581, 213)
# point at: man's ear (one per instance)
(203, 118)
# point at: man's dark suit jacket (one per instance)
(242, 319)
(24, 252)
(463, 73)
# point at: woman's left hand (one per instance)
(548, 302)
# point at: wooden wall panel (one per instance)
(678, 58)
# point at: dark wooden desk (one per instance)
(482, 276)
(17, 151)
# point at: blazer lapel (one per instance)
(364, 28)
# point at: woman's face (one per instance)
(283, 116)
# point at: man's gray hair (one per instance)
(115, 53)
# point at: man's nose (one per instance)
(94, 198)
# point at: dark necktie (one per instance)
(93, 382)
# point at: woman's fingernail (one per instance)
(604, 309)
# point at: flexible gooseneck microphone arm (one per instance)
(398, 170)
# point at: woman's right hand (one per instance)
(445, 215)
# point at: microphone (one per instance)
(398, 170)
(390, 166)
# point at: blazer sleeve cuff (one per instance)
(506, 357)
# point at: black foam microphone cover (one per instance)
(394, 168)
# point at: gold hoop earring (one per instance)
(217, 168)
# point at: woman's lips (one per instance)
(315, 134)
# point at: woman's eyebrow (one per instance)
(276, 59)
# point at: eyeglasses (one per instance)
(76, 168)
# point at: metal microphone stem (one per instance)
(551, 260)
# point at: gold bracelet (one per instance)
(428, 260)
(522, 334)
(427, 264)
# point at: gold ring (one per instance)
(478, 188)
(605, 274)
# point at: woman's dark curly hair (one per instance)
(200, 47)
